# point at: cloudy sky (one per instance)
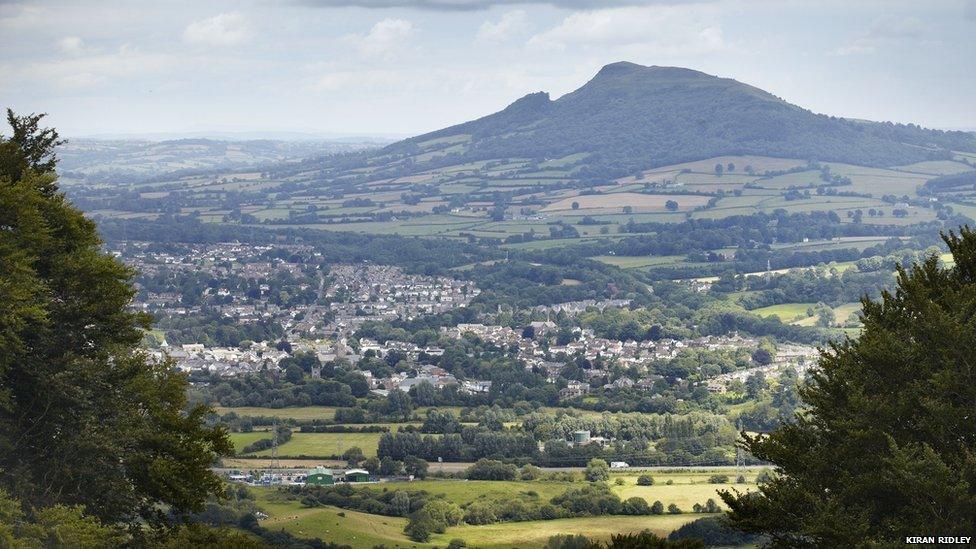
(407, 66)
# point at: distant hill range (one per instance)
(630, 118)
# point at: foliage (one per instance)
(714, 531)
(627, 110)
(488, 469)
(885, 447)
(85, 418)
(597, 470)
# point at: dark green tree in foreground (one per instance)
(887, 447)
(85, 418)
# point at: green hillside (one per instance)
(630, 117)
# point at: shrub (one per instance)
(719, 479)
(569, 541)
(591, 499)
(645, 480)
(764, 477)
(597, 470)
(635, 506)
(457, 543)
(489, 469)
(674, 509)
(714, 531)
(530, 472)
(657, 508)
(481, 512)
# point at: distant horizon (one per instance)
(362, 67)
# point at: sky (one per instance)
(404, 67)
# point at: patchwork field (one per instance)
(612, 203)
(365, 530)
(325, 444)
(303, 412)
(796, 313)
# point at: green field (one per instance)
(301, 413)
(636, 262)
(787, 312)
(240, 440)
(796, 313)
(365, 530)
(322, 444)
(537, 533)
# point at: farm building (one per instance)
(320, 476)
(357, 475)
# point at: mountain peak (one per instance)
(626, 68)
(631, 117)
(618, 68)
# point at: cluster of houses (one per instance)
(350, 295)
(798, 357)
(363, 292)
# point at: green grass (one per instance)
(687, 488)
(301, 412)
(463, 492)
(240, 440)
(325, 444)
(363, 530)
(636, 262)
(537, 533)
(796, 313)
(787, 312)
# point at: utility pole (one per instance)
(275, 464)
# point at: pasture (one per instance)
(366, 530)
(300, 413)
(325, 444)
(614, 202)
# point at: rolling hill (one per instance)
(630, 117)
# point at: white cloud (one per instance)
(225, 29)
(71, 45)
(85, 71)
(884, 30)
(510, 24)
(387, 38)
(661, 31)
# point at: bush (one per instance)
(714, 531)
(635, 506)
(590, 499)
(457, 543)
(434, 517)
(657, 508)
(645, 480)
(597, 470)
(619, 481)
(530, 472)
(674, 509)
(719, 479)
(569, 541)
(489, 469)
(481, 512)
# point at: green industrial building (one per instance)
(357, 475)
(320, 476)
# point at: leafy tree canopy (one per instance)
(887, 448)
(85, 418)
